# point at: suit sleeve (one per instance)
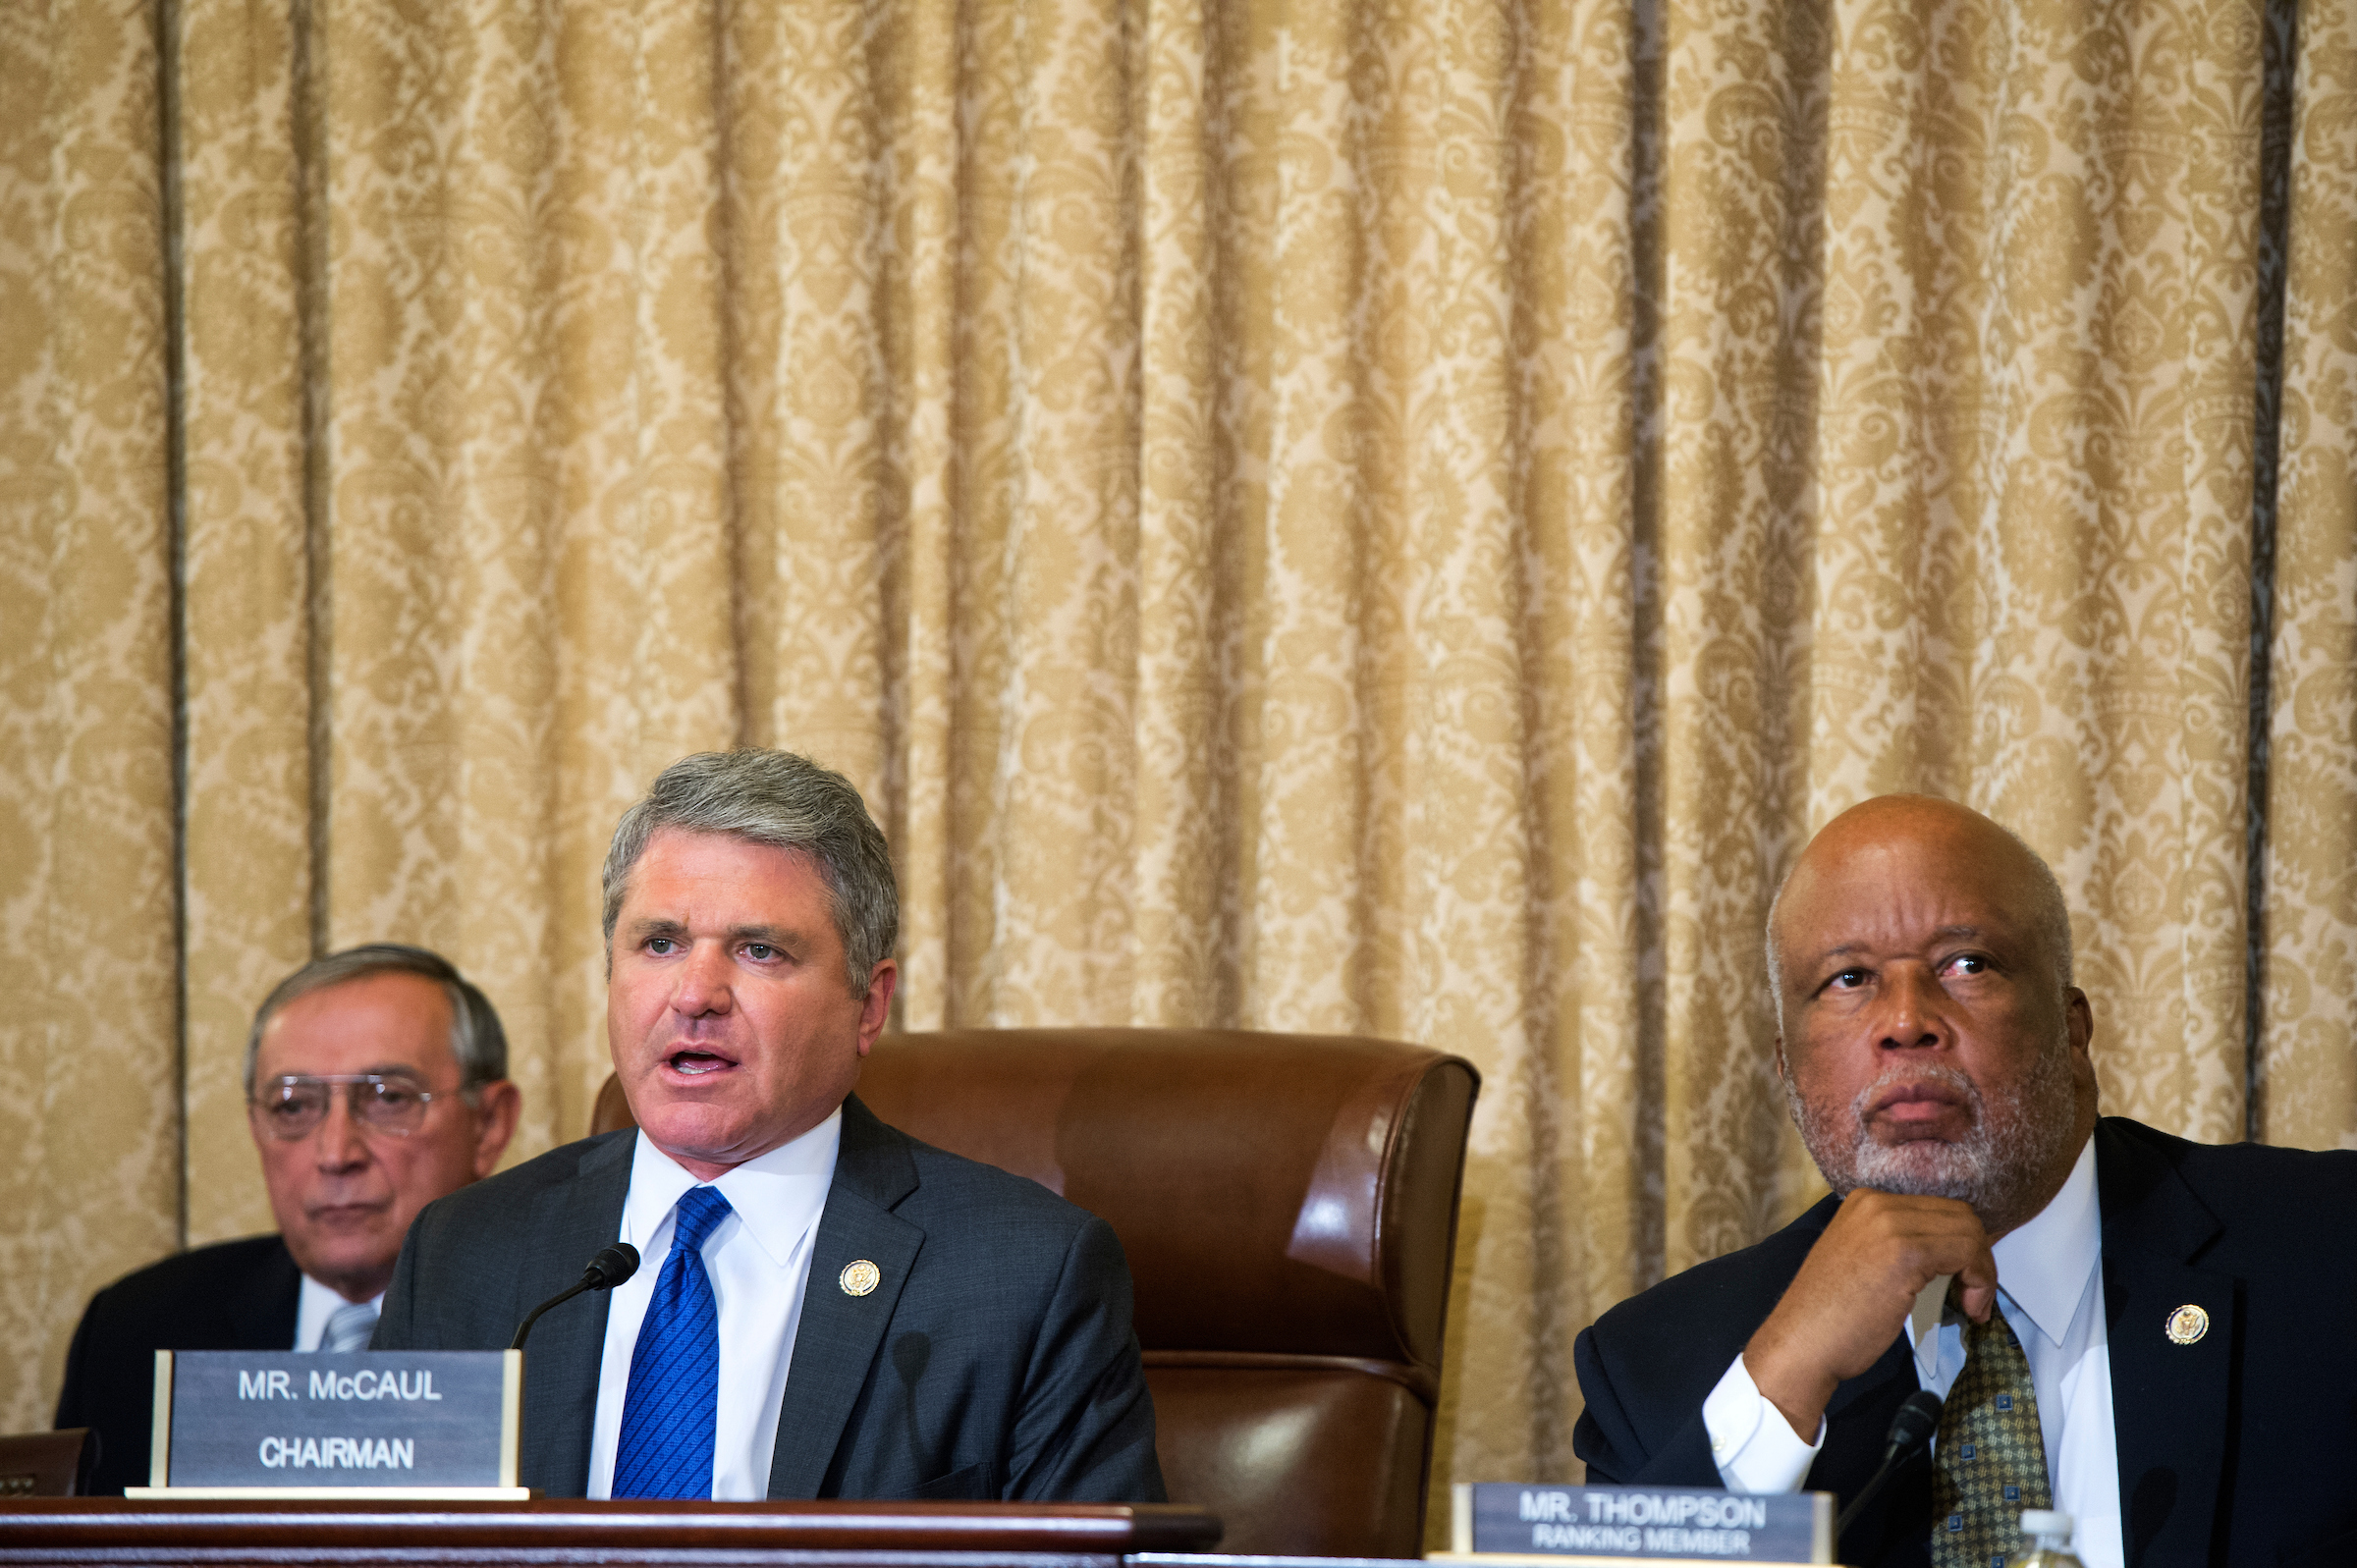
(1084, 1430)
(1625, 1443)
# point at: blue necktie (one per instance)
(671, 1412)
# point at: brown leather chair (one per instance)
(46, 1464)
(1289, 1207)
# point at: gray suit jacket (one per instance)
(995, 1360)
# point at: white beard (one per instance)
(2015, 1141)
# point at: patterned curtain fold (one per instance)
(89, 1061)
(1394, 517)
(2304, 1071)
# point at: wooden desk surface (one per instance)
(568, 1530)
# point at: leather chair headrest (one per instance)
(1264, 1186)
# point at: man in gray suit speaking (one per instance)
(827, 1308)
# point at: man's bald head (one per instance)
(1869, 820)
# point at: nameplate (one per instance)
(367, 1420)
(1660, 1523)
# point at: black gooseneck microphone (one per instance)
(609, 1267)
(1917, 1419)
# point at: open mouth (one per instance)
(697, 1063)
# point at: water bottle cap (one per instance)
(2045, 1521)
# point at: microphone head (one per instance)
(1917, 1419)
(615, 1264)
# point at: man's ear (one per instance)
(876, 1006)
(2078, 1027)
(497, 1105)
(2078, 1019)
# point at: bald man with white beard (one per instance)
(2183, 1311)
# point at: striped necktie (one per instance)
(1991, 1462)
(670, 1414)
(348, 1326)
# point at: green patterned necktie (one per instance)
(1991, 1462)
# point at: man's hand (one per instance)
(1854, 1291)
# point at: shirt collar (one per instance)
(2042, 1266)
(775, 1196)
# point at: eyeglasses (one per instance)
(293, 1107)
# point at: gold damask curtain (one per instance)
(1395, 516)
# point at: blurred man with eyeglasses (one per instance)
(375, 1082)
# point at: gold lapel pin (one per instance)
(2185, 1325)
(858, 1278)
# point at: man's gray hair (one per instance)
(785, 802)
(2049, 920)
(475, 1036)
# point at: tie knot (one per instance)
(700, 1210)
(348, 1327)
(1996, 1331)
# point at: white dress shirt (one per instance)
(758, 1260)
(2051, 1289)
(314, 1305)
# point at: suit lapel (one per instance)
(566, 1353)
(2168, 1400)
(840, 1332)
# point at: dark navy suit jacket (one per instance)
(2239, 1448)
(237, 1295)
(995, 1360)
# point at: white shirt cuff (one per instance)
(1754, 1446)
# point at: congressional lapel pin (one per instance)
(2185, 1325)
(858, 1278)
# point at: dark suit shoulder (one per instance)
(476, 1259)
(942, 1191)
(2256, 1202)
(512, 1191)
(233, 1295)
(2228, 1172)
(491, 1231)
(1646, 1366)
(1722, 1299)
(195, 1282)
(950, 1184)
